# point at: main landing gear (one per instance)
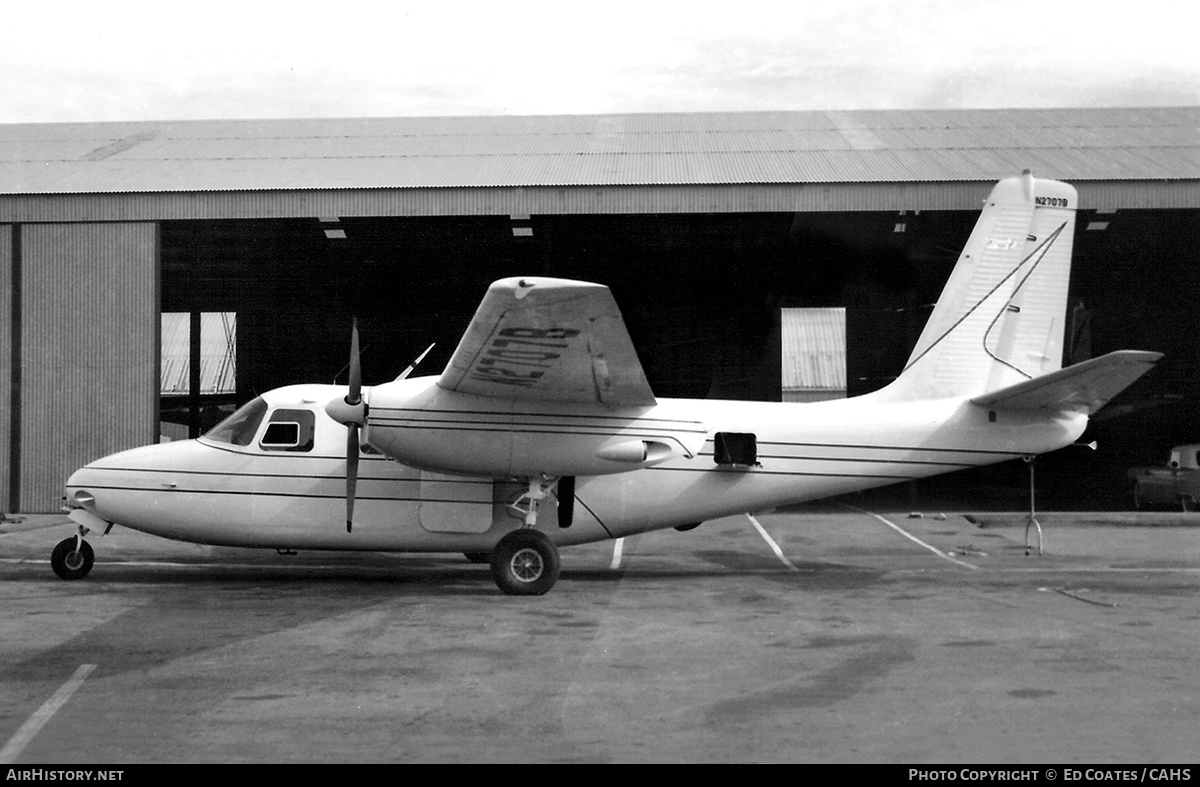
(72, 558)
(525, 561)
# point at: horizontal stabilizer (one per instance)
(1083, 388)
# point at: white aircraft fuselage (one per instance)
(214, 492)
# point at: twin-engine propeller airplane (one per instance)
(543, 432)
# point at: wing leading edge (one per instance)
(550, 340)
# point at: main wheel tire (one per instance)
(1139, 501)
(70, 563)
(1188, 503)
(525, 563)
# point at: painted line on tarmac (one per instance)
(914, 539)
(618, 546)
(774, 547)
(34, 723)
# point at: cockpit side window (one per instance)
(289, 430)
(240, 428)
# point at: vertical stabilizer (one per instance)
(1001, 317)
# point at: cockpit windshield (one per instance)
(240, 428)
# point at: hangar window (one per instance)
(735, 448)
(289, 430)
(198, 371)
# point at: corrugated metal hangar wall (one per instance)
(80, 352)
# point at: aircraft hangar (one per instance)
(155, 273)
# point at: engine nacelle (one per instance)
(450, 432)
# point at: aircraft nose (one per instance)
(76, 493)
(119, 487)
(102, 477)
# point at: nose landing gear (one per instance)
(72, 558)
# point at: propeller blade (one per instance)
(351, 471)
(355, 394)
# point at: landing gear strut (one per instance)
(539, 489)
(72, 558)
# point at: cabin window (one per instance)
(282, 435)
(240, 428)
(735, 448)
(289, 430)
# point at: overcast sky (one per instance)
(117, 60)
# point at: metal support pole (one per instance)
(1032, 521)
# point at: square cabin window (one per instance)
(289, 430)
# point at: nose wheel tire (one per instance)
(525, 563)
(72, 563)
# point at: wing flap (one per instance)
(543, 339)
(1084, 387)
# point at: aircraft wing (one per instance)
(543, 339)
(1084, 387)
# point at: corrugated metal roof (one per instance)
(877, 146)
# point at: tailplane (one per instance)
(1001, 318)
(1082, 388)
